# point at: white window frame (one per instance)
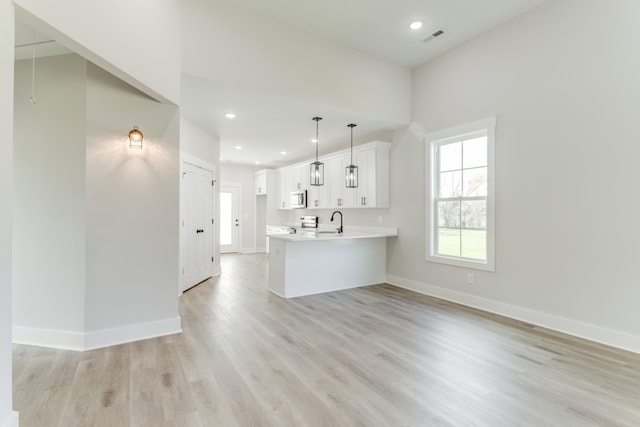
(433, 139)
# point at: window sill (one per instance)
(465, 263)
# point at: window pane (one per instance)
(475, 182)
(474, 214)
(450, 184)
(450, 156)
(449, 214)
(474, 244)
(475, 152)
(449, 241)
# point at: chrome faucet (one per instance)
(335, 212)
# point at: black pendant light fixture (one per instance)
(316, 176)
(351, 171)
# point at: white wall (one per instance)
(197, 143)
(6, 185)
(255, 52)
(137, 41)
(49, 190)
(567, 97)
(96, 229)
(243, 175)
(132, 207)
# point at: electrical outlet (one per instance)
(470, 278)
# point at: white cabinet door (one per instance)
(365, 193)
(283, 190)
(348, 194)
(335, 180)
(318, 195)
(260, 182)
(339, 196)
(299, 178)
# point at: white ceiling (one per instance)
(381, 27)
(267, 123)
(29, 41)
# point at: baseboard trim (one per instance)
(618, 339)
(248, 250)
(63, 340)
(67, 340)
(13, 420)
(131, 333)
(216, 271)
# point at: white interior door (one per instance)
(196, 232)
(229, 218)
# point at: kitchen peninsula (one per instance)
(312, 262)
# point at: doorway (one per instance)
(197, 236)
(229, 218)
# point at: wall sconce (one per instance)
(135, 138)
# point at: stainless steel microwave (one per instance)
(298, 199)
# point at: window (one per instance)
(461, 207)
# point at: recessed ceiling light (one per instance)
(416, 25)
(257, 163)
(238, 147)
(283, 152)
(230, 115)
(314, 140)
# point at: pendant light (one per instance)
(316, 176)
(351, 171)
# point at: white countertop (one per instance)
(350, 232)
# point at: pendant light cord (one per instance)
(33, 70)
(352, 126)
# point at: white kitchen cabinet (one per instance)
(291, 178)
(372, 160)
(318, 195)
(300, 178)
(365, 193)
(373, 176)
(260, 182)
(340, 196)
(284, 180)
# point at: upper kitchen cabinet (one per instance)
(373, 176)
(260, 182)
(284, 182)
(339, 195)
(291, 178)
(318, 195)
(372, 160)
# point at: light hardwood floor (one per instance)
(375, 356)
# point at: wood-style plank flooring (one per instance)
(375, 356)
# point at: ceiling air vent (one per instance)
(433, 35)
